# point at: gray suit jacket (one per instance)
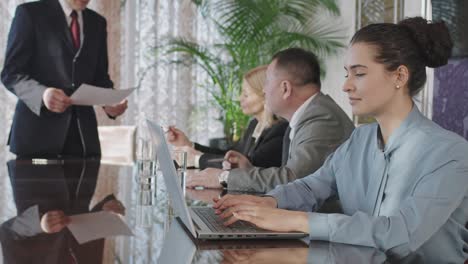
(321, 129)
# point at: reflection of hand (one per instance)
(266, 255)
(114, 206)
(54, 221)
(116, 110)
(207, 178)
(56, 100)
(234, 159)
(205, 195)
(177, 138)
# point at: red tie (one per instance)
(75, 30)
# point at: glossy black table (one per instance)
(80, 186)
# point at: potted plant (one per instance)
(252, 31)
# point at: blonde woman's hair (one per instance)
(255, 78)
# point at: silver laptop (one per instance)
(202, 222)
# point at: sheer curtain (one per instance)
(8, 209)
(166, 93)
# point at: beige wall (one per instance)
(335, 72)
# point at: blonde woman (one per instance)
(263, 139)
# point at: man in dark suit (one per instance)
(54, 46)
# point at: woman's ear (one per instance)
(402, 76)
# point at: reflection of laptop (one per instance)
(177, 238)
(202, 222)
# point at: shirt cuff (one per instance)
(196, 161)
(109, 116)
(318, 227)
(278, 195)
(223, 177)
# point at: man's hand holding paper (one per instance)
(116, 110)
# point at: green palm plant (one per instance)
(252, 31)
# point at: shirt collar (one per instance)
(395, 139)
(67, 9)
(297, 115)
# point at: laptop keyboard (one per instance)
(215, 223)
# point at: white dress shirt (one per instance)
(297, 115)
(67, 10)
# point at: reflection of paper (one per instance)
(28, 222)
(87, 227)
(92, 95)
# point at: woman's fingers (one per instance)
(235, 218)
(241, 209)
(246, 216)
(221, 201)
(233, 200)
(237, 207)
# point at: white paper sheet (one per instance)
(91, 226)
(92, 95)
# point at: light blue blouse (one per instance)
(409, 195)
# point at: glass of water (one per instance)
(145, 162)
(180, 158)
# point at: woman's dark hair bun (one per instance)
(433, 38)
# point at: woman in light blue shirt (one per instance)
(402, 181)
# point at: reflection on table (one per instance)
(65, 186)
(80, 186)
(180, 247)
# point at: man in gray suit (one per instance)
(317, 126)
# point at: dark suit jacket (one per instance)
(266, 152)
(40, 54)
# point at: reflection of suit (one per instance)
(40, 54)
(320, 130)
(265, 152)
(68, 187)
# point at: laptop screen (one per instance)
(170, 175)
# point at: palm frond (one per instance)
(252, 31)
(201, 55)
(317, 35)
